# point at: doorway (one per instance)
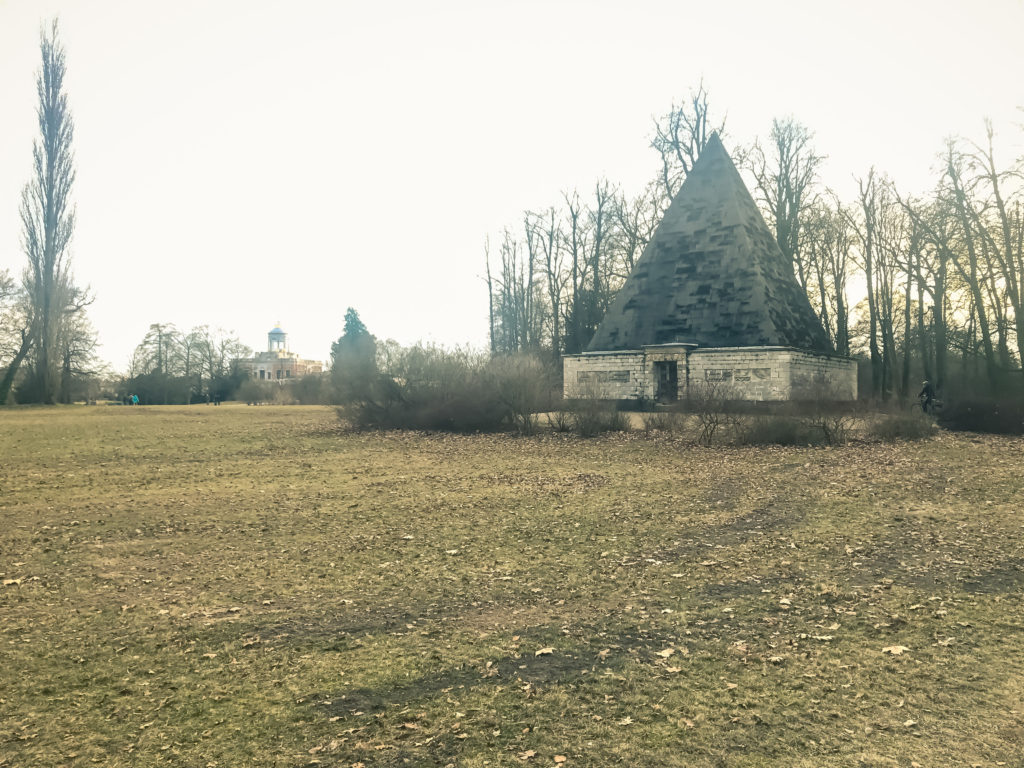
(666, 381)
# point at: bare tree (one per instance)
(680, 137)
(157, 358)
(601, 225)
(7, 287)
(490, 295)
(1002, 238)
(549, 235)
(77, 355)
(931, 272)
(158, 349)
(189, 347)
(635, 221)
(968, 262)
(892, 241)
(829, 242)
(575, 237)
(48, 220)
(512, 295)
(881, 227)
(219, 353)
(909, 262)
(866, 228)
(530, 306)
(517, 309)
(785, 178)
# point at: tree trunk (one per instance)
(939, 321)
(908, 294)
(12, 369)
(922, 340)
(876, 358)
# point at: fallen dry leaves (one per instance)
(757, 593)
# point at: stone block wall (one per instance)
(822, 377)
(604, 376)
(775, 373)
(743, 373)
(751, 373)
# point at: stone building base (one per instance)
(669, 372)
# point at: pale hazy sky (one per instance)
(242, 162)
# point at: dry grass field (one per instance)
(232, 586)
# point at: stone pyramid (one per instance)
(711, 275)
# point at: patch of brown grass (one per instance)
(232, 586)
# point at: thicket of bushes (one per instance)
(156, 388)
(1003, 416)
(711, 417)
(308, 390)
(432, 388)
(914, 425)
(712, 414)
(426, 387)
(589, 418)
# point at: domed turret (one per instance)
(277, 340)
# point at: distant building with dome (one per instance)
(278, 363)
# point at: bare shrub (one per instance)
(662, 421)
(618, 421)
(836, 427)
(590, 421)
(424, 387)
(282, 395)
(779, 429)
(523, 386)
(561, 420)
(833, 426)
(256, 392)
(824, 411)
(592, 416)
(902, 426)
(456, 390)
(715, 406)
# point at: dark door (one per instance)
(666, 388)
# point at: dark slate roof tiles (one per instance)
(711, 256)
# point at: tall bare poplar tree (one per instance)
(48, 221)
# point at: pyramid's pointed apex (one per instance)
(713, 151)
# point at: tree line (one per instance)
(917, 286)
(174, 367)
